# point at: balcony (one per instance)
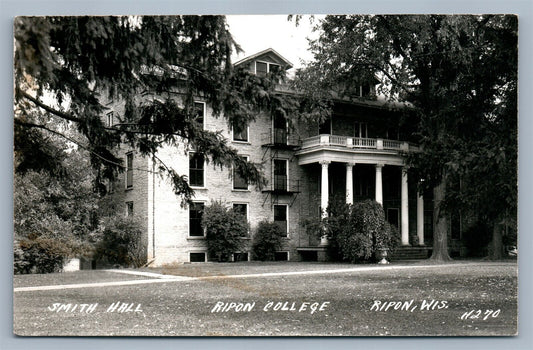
(280, 184)
(327, 147)
(357, 143)
(280, 138)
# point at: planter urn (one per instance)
(381, 255)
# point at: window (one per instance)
(110, 122)
(242, 209)
(365, 90)
(129, 208)
(239, 183)
(199, 109)
(262, 68)
(196, 169)
(197, 257)
(280, 175)
(196, 211)
(129, 170)
(280, 218)
(360, 129)
(393, 133)
(240, 257)
(240, 133)
(274, 68)
(280, 130)
(325, 127)
(281, 256)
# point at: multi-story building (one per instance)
(358, 153)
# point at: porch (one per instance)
(354, 167)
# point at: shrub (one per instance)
(121, 242)
(357, 231)
(53, 219)
(41, 254)
(267, 240)
(224, 230)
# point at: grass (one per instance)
(184, 308)
(84, 276)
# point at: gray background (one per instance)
(11, 8)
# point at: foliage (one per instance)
(356, 231)
(267, 241)
(68, 70)
(42, 254)
(224, 230)
(121, 242)
(477, 238)
(54, 216)
(459, 74)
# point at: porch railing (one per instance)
(357, 143)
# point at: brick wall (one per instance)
(169, 219)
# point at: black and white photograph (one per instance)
(343, 175)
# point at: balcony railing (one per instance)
(280, 138)
(357, 143)
(280, 184)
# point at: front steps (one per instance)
(411, 253)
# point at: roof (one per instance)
(286, 62)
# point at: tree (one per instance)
(459, 73)
(68, 68)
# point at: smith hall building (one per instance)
(358, 153)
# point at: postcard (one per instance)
(265, 175)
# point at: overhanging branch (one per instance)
(48, 108)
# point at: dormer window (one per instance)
(364, 90)
(262, 68)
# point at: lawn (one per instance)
(349, 301)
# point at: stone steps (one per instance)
(411, 253)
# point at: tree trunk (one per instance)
(440, 231)
(496, 246)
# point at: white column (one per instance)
(324, 190)
(420, 218)
(349, 183)
(324, 197)
(405, 209)
(379, 184)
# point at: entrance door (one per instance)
(393, 217)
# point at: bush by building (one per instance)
(225, 229)
(267, 240)
(357, 231)
(54, 219)
(120, 242)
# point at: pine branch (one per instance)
(43, 127)
(48, 108)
